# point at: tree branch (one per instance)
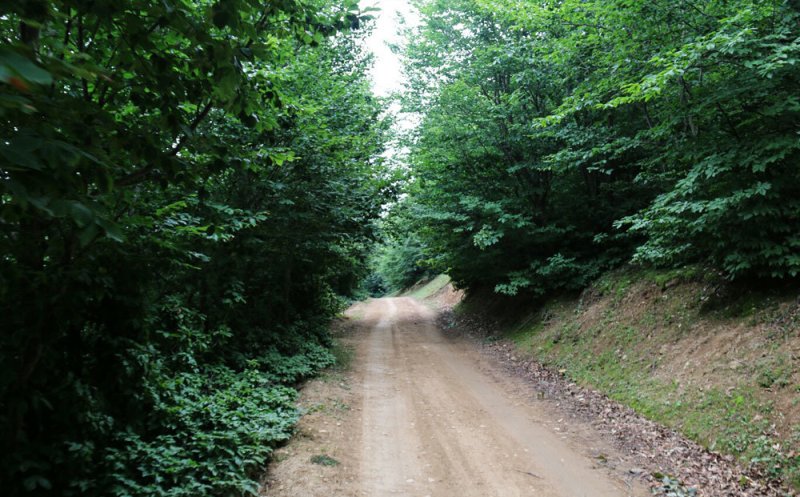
(143, 174)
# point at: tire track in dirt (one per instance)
(435, 421)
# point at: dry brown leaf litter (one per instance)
(655, 449)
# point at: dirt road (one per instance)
(429, 417)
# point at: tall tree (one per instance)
(186, 188)
(563, 138)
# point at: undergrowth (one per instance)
(217, 427)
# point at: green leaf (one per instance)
(112, 230)
(13, 63)
(81, 214)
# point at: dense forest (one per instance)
(560, 139)
(191, 189)
(186, 193)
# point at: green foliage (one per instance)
(400, 264)
(674, 488)
(775, 371)
(561, 139)
(216, 429)
(187, 190)
(374, 285)
(324, 460)
(503, 202)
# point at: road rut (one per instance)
(435, 420)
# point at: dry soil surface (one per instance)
(424, 414)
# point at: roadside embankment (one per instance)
(716, 363)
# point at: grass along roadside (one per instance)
(428, 288)
(722, 370)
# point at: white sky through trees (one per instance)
(387, 75)
(387, 72)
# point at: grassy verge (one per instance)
(430, 287)
(722, 370)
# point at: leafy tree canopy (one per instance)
(560, 139)
(187, 189)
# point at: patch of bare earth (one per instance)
(650, 449)
(693, 350)
(422, 413)
(700, 350)
(322, 459)
(447, 298)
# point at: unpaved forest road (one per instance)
(436, 421)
